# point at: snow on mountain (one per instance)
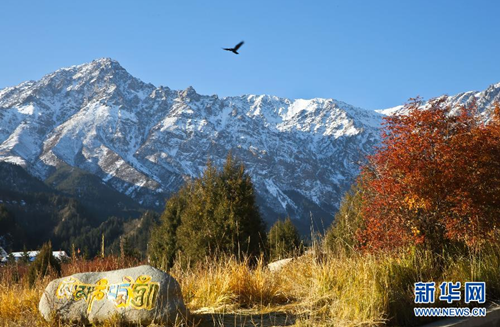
(145, 141)
(485, 101)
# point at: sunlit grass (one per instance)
(228, 282)
(318, 289)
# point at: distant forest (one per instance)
(73, 209)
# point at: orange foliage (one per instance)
(435, 178)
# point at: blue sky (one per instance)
(373, 54)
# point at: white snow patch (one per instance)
(27, 110)
(298, 106)
(14, 160)
(278, 194)
(390, 111)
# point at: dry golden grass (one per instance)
(337, 291)
(332, 289)
(227, 282)
(20, 306)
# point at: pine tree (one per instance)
(43, 264)
(25, 256)
(7, 227)
(7, 221)
(211, 215)
(142, 233)
(348, 220)
(11, 260)
(284, 240)
(162, 246)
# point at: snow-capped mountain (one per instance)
(485, 101)
(145, 141)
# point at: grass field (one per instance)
(317, 289)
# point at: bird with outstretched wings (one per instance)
(235, 49)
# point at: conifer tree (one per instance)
(163, 242)
(25, 256)
(284, 240)
(347, 222)
(211, 215)
(43, 264)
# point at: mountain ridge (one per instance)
(146, 141)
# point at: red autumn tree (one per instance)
(434, 179)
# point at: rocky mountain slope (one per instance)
(145, 141)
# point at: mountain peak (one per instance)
(106, 63)
(103, 71)
(190, 92)
(102, 65)
(99, 64)
(106, 60)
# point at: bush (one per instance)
(44, 263)
(284, 240)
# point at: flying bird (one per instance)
(235, 49)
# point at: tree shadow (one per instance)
(245, 319)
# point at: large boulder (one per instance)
(140, 295)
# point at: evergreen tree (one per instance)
(284, 240)
(127, 249)
(211, 215)
(90, 241)
(43, 264)
(140, 235)
(163, 242)
(25, 256)
(7, 227)
(11, 260)
(7, 221)
(348, 220)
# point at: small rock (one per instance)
(140, 295)
(278, 265)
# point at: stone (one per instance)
(278, 265)
(139, 295)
